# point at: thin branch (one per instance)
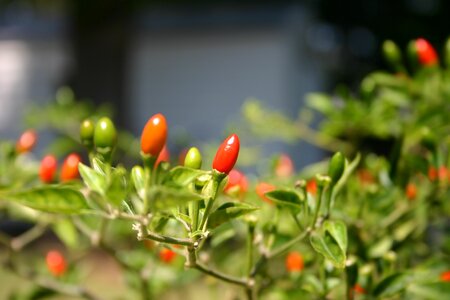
(24, 239)
(222, 276)
(54, 285)
(280, 250)
(144, 234)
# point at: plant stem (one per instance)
(283, 248)
(21, 241)
(297, 221)
(319, 202)
(220, 275)
(144, 234)
(193, 263)
(51, 284)
(250, 238)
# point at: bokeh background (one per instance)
(197, 61)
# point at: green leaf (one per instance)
(66, 232)
(379, 248)
(138, 178)
(338, 231)
(183, 176)
(229, 211)
(320, 102)
(286, 198)
(99, 166)
(164, 197)
(117, 188)
(93, 179)
(331, 242)
(435, 290)
(55, 199)
(391, 285)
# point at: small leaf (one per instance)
(93, 179)
(320, 102)
(57, 199)
(338, 231)
(164, 197)
(286, 198)
(117, 188)
(183, 175)
(99, 166)
(66, 232)
(379, 248)
(138, 178)
(391, 285)
(229, 211)
(331, 242)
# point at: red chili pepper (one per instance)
(227, 154)
(164, 155)
(237, 184)
(69, 169)
(365, 177)
(311, 187)
(294, 262)
(167, 255)
(445, 276)
(411, 191)
(432, 173)
(48, 168)
(56, 263)
(425, 52)
(154, 135)
(284, 166)
(443, 173)
(262, 188)
(27, 141)
(359, 289)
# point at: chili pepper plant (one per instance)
(365, 223)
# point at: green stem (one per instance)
(193, 263)
(144, 234)
(210, 203)
(21, 241)
(220, 275)
(283, 248)
(319, 202)
(297, 221)
(330, 199)
(250, 238)
(193, 213)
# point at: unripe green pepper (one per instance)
(336, 167)
(105, 134)
(193, 159)
(392, 55)
(87, 128)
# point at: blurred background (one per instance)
(197, 61)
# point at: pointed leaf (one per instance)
(286, 198)
(229, 211)
(117, 188)
(338, 231)
(183, 175)
(430, 291)
(66, 232)
(391, 285)
(93, 179)
(138, 178)
(331, 242)
(164, 197)
(57, 199)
